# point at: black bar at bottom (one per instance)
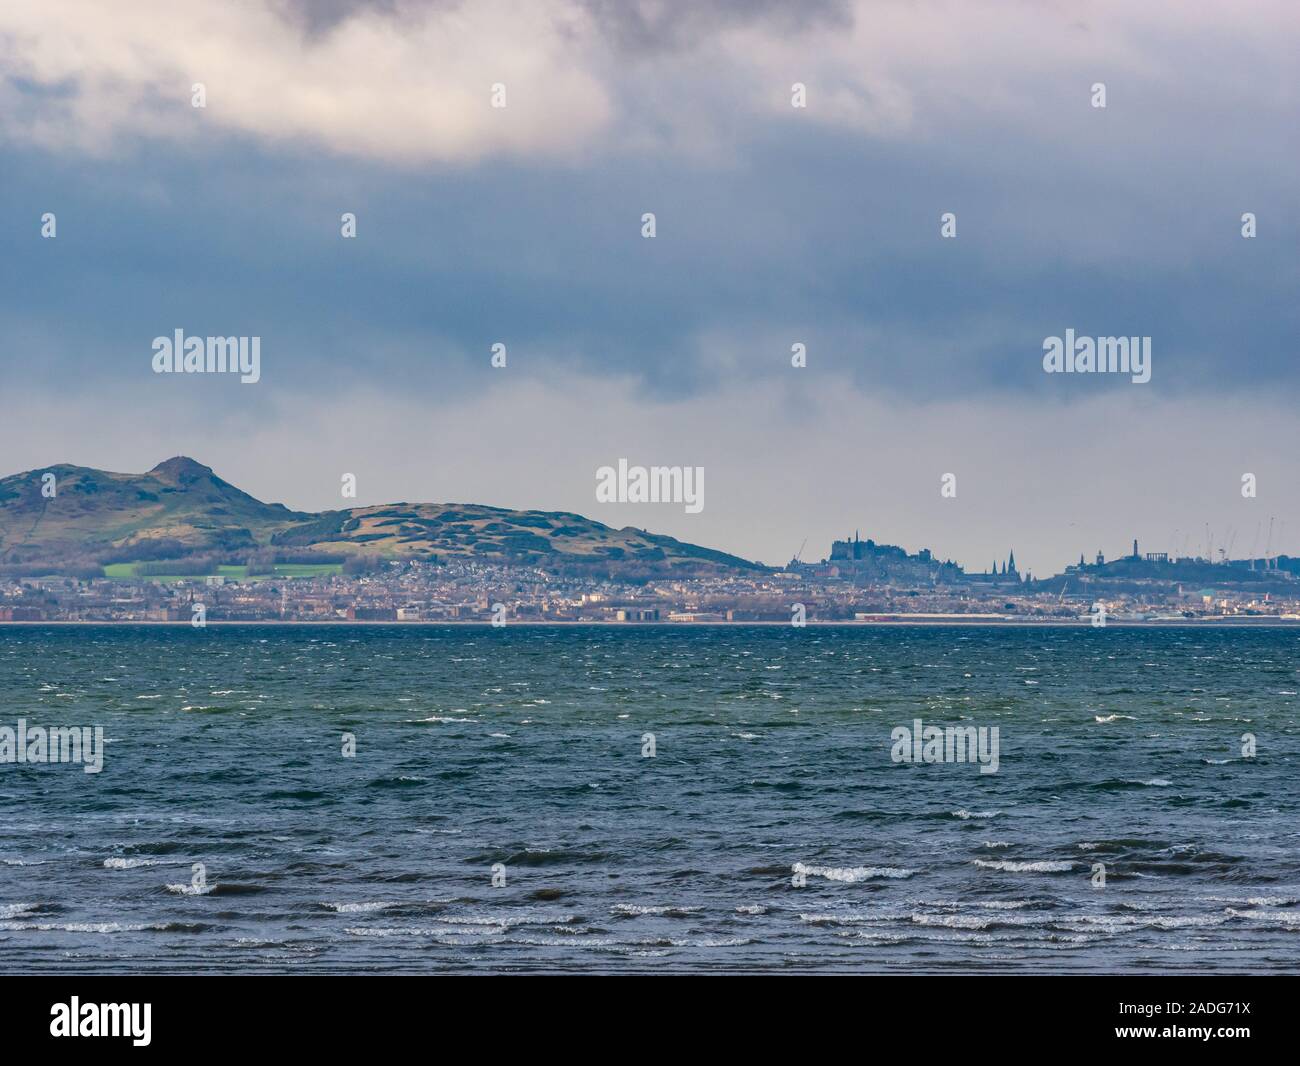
(343, 1013)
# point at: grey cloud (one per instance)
(649, 26)
(645, 26)
(318, 17)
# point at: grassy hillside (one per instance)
(473, 531)
(180, 509)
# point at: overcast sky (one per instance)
(775, 225)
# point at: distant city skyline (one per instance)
(1265, 542)
(178, 544)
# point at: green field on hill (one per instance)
(130, 572)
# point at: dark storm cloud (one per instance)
(1122, 222)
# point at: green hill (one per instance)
(180, 509)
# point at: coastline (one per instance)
(1169, 623)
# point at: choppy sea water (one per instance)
(523, 747)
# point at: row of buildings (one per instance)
(862, 581)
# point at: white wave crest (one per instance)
(1045, 866)
(853, 874)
